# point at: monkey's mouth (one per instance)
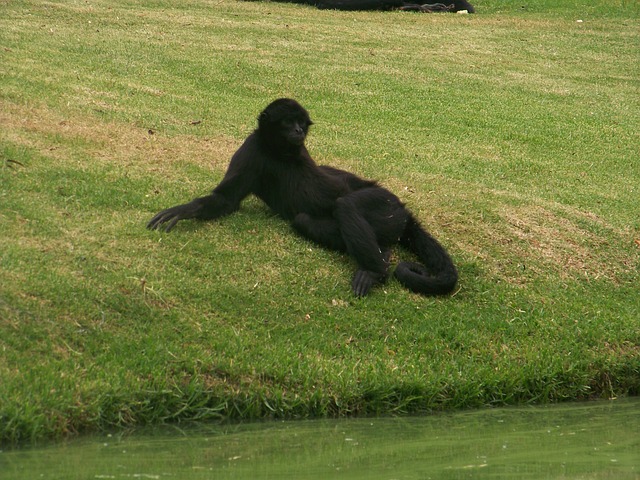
(297, 139)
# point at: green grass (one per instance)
(512, 134)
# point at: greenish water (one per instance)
(599, 440)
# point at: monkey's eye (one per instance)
(302, 122)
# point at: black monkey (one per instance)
(448, 6)
(331, 207)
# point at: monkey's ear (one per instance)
(264, 116)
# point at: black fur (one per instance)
(329, 206)
(448, 6)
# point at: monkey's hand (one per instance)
(173, 215)
(363, 280)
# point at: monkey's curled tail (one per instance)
(437, 275)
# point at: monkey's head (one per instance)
(284, 125)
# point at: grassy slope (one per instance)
(511, 133)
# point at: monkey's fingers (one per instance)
(155, 221)
(172, 223)
(362, 282)
(162, 217)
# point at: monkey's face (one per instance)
(284, 122)
(294, 130)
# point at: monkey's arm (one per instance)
(204, 208)
(238, 182)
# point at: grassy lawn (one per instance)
(512, 134)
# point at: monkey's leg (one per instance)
(361, 240)
(321, 230)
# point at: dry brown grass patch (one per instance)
(515, 241)
(141, 150)
(566, 243)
